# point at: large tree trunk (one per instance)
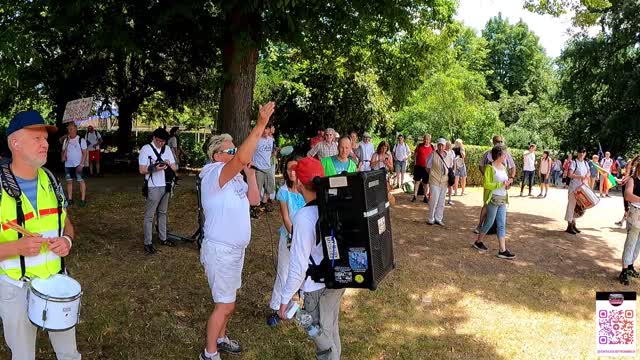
(125, 119)
(239, 61)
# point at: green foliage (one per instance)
(600, 84)
(450, 104)
(516, 61)
(585, 12)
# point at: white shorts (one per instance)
(223, 267)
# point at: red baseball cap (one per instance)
(307, 169)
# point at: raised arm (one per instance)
(248, 147)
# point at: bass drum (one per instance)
(586, 197)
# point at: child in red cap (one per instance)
(321, 303)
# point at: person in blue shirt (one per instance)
(290, 202)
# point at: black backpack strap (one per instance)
(11, 187)
(56, 187)
(158, 154)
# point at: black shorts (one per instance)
(544, 178)
(420, 174)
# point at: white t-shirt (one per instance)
(451, 156)
(226, 209)
(580, 168)
(147, 157)
(262, 156)
(529, 161)
(500, 176)
(607, 164)
(173, 142)
(74, 149)
(401, 152)
(303, 245)
(92, 140)
(367, 152)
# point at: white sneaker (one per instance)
(205, 357)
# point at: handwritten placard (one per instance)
(78, 109)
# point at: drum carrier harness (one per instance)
(11, 187)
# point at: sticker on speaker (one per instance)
(358, 259)
(332, 248)
(338, 181)
(382, 226)
(343, 277)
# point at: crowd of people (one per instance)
(235, 179)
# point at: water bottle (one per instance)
(305, 321)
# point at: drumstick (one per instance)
(20, 229)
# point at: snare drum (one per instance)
(633, 217)
(54, 302)
(586, 197)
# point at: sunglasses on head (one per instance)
(230, 151)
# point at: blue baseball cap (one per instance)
(28, 119)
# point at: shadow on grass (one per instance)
(561, 260)
(141, 307)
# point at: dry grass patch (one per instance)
(443, 301)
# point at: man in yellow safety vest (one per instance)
(31, 198)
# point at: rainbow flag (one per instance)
(609, 180)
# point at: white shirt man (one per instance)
(529, 160)
(93, 137)
(74, 147)
(147, 157)
(154, 167)
(607, 162)
(401, 151)
(366, 151)
(264, 149)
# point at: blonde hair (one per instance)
(459, 143)
(215, 144)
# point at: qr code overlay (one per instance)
(616, 327)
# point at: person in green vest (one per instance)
(337, 164)
(39, 208)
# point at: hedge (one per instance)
(474, 155)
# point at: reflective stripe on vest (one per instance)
(45, 223)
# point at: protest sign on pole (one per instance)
(78, 109)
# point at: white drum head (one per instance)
(57, 286)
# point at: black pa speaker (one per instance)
(355, 229)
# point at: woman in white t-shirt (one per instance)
(496, 198)
(579, 174)
(227, 226)
(450, 160)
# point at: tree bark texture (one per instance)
(239, 62)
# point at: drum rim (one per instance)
(52, 330)
(56, 298)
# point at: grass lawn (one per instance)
(443, 301)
